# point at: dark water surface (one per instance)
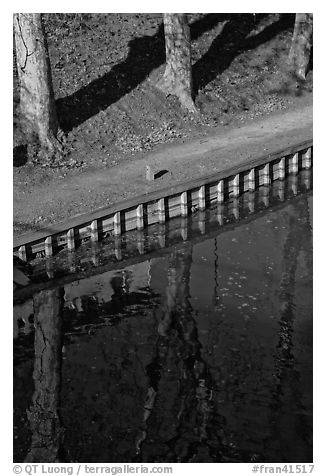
(203, 354)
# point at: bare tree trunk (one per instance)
(299, 55)
(177, 78)
(37, 106)
(43, 416)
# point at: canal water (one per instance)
(200, 354)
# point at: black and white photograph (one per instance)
(162, 241)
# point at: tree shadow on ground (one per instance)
(20, 155)
(148, 52)
(145, 54)
(233, 41)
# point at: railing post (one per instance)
(140, 217)
(266, 175)
(220, 191)
(281, 169)
(94, 231)
(202, 197)
(22, 253)
(161, 210)
(117, 224)
(236, 185)
(48, 246)
(294, 163)
(251, 180)
(306, 159)
(184, 204)
(71, 239)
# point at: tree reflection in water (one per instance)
(43, 416)
(192, 430)
(288, 409)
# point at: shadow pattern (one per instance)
(234, 40)
(148, 53)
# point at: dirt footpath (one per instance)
(60, 199)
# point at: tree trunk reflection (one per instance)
(43, 415)
(288, 409)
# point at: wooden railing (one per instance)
(161, 205)
(136, 246)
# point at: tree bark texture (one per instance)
(37, 106)
(177, 78)
(300, 50)
(43, 415)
